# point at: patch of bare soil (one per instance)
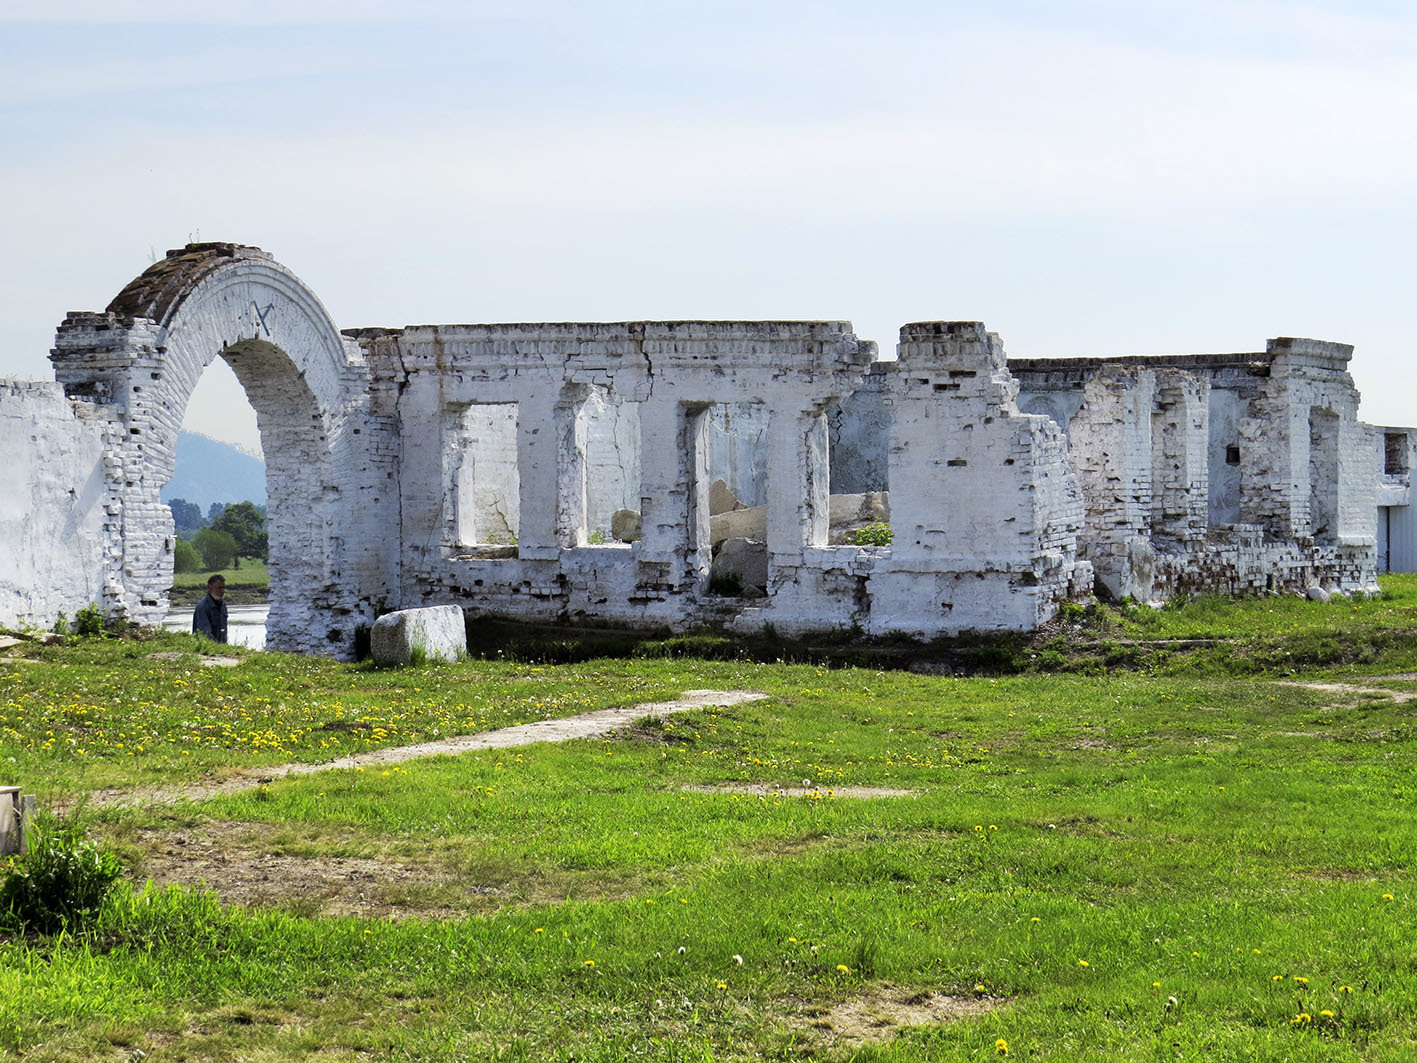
(1357, 689)
(765, 790)
(228, 859)
(881, 1011)
(231, 859)
(206, 660)
(1091, 743)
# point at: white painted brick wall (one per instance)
(1118, 470)
(54, 505)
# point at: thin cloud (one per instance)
(272, 12)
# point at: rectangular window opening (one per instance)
(485, 488)
(612, 469)
(1225, 411)
(1394, 453)
(737, 435)
(1323, 474)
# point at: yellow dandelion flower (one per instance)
(590, 963)
(1387, 896)
(1155, 985)
(1345, 989)
(1035, 919)
(1277, 978)
(1001, 1046)
(539, 930)
(722, 985)
(1084, 963)
(980, 988)
(1302, 1019)
(1325, 1014)
(843, 968)
(1301, 980)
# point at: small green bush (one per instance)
(877, 534)
(89, 620)
(60, 883)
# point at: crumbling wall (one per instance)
(564, 470)
(1110, 450)
(328, 449)
(984, 509)
(1244, 473)
(54, 504)
(682, 384)
(1180, 470)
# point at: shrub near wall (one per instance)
(59, 884)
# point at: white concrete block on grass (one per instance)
(434, 632)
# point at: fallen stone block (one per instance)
(626, 526)
(722, 499)
(869, 508)
(436, 631)
(743, 559)
(739, 524)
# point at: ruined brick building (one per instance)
(572, 470)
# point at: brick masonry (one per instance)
(483, 465)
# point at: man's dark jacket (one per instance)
(209, 618)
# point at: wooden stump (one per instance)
(15, 811)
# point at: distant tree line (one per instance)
(221, 539)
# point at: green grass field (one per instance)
(1140, 864)
(250, 573)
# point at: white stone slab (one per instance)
(437, 631)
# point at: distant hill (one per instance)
(210, 471)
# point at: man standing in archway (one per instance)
(209, 618)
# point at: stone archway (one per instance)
(140, 360)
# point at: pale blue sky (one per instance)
(1086, 176)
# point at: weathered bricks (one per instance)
(480, 465)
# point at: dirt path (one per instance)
(1399, 696)
(588, 725)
